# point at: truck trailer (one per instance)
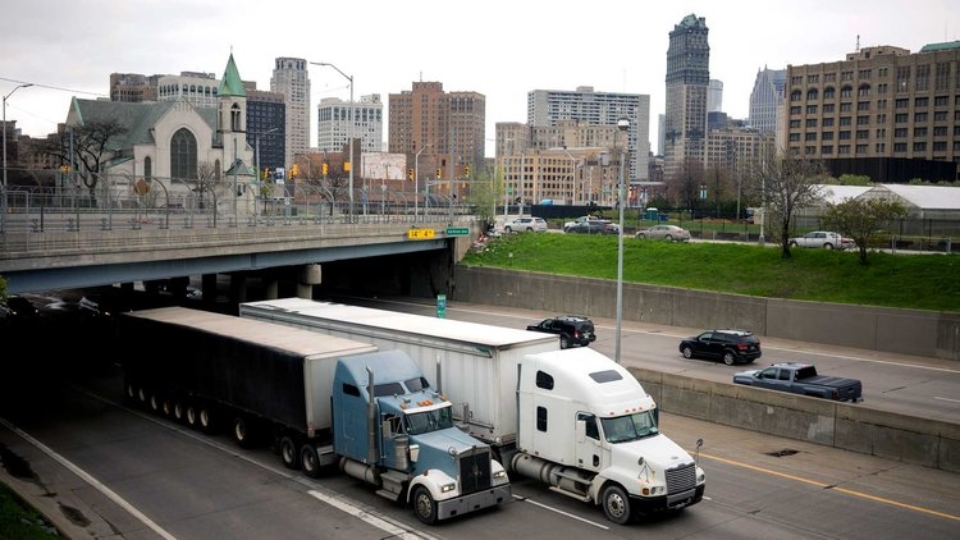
(322, 401)
(572, 418)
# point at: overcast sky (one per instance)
(501, 49)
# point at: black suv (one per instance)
(574, 330)
(731, 346)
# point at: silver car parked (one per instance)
(670, 233)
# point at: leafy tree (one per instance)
(785, 185)
(485, 192)
(862, 220)
(853, 180)
(92, 145)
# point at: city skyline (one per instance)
(476, 55)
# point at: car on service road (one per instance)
(670, 233)
(823, 239)
(525, 224)
(574, 330)
(729, 346)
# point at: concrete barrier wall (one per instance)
(904, 331)
(888, 435)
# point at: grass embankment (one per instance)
(930, 282)
(19, 521)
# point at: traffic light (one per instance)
(294, 170)
(466, 171)
(323, 168)
(439, 173)
(410, 174)
(266, 174)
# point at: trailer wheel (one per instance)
(154, 402)
(616, 504)
(309, 460)
(131, 392)
(288, 452)
(207, 418)
(192, 415)
(424, 505)
(242, 432)
(179, 410)
(166, 407)
(142, 396)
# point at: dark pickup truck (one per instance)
(802, 379)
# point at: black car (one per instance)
(574, 330)
(731, 346)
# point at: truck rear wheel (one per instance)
(288, 452)
(309, 460)
(424, 505)
(616, 504)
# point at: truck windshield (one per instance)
(629, 428)
(425, 422)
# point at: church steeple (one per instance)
(231, 85)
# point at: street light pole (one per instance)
(623, 125)
(349, 129)
(416, 182)
(3, 210)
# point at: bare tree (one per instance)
(206, 181)
(862, 220)
(784, 185)
(93, 143)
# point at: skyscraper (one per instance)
(547, 108)
(333, 124)
(766, 99)
(290, 79)
(688, 78)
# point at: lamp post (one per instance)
(256, 144)
(416, 182)
(3, 210)
(349, 129)
(622, 126)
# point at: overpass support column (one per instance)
(309, 276)
(208, 287)
(271, 288)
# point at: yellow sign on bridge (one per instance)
(421, 234)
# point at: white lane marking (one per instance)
(313, 488)
(336, 502)
(947, 399)
(562, 513)
(89, 479)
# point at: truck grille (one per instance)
(474, 472)
(682, 478)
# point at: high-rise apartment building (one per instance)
(439, 132)
(766, 100)
(546, 108)
(266, 124)
(335, 118)
(882, 111)
(133, 87)
(290, 79)
(688, 79)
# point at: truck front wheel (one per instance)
(616, 504)
(309, 460)
(424, 505)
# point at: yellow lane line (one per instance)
(835, 488)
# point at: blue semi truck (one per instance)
(321, 401)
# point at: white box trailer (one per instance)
(483, 393)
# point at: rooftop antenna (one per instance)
(858, 42)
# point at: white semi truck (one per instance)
(322, 400)
(573, 418)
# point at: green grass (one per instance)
(901, 281)
(21, 522)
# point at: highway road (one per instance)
(130, 474)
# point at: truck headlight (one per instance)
(448, 487)
(500, 474)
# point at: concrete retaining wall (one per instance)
(888, 435)
(903, 331)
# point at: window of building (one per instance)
(923, 77)
(846, 92)
(861, 149)
(956, 131)
(812, 136)
(902, 103)
(812, 94)
(882, 89)
(844, 136)
(795, 123)
(863, 120)
(881, 133)
(920, 117)
(796, 109)
(903, 79)
(920, 132)
(863, 105)
(811, 109)
(828, 108)
(956, 146)
(846, 107)
(882, 118)
(882, 72)
(794, 137)
(901, 118)
(810, 150)
(880, 147)
(920, 146)
(829, 77)
(881, 104)
(813, 79)
(864, 74)
(796, 79)
(863, 91)
(900, 133)
(940, 146)
(826, 136)
(183, 154)
(827, 122)
(796, 95)
(843, 149)
(829, 93)
(147, 168)
(826, 150)
(863, 133)
(940, 116)
(900, 147)
(846, 76)
(811, 122)
(941, 101)
(845, 121)
(921, 102)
